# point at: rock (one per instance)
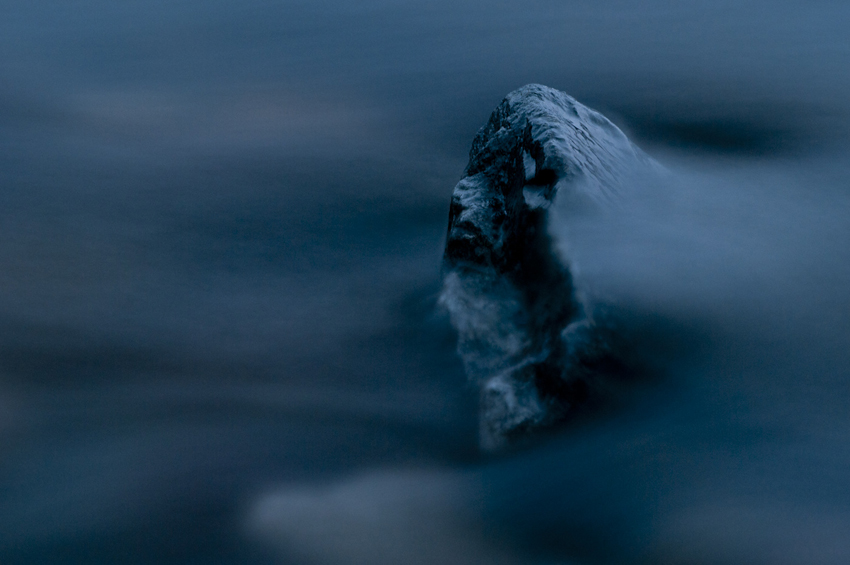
(524, 336)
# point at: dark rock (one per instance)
(524, 336)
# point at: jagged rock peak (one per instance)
(523, 335)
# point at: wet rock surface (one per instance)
(526, 336)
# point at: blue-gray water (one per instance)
(221, 226)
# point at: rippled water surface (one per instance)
(221, 227)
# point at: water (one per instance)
(221, 232)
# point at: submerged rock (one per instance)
(525, 336)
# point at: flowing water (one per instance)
(221, 228)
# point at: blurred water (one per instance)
(220, 235)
